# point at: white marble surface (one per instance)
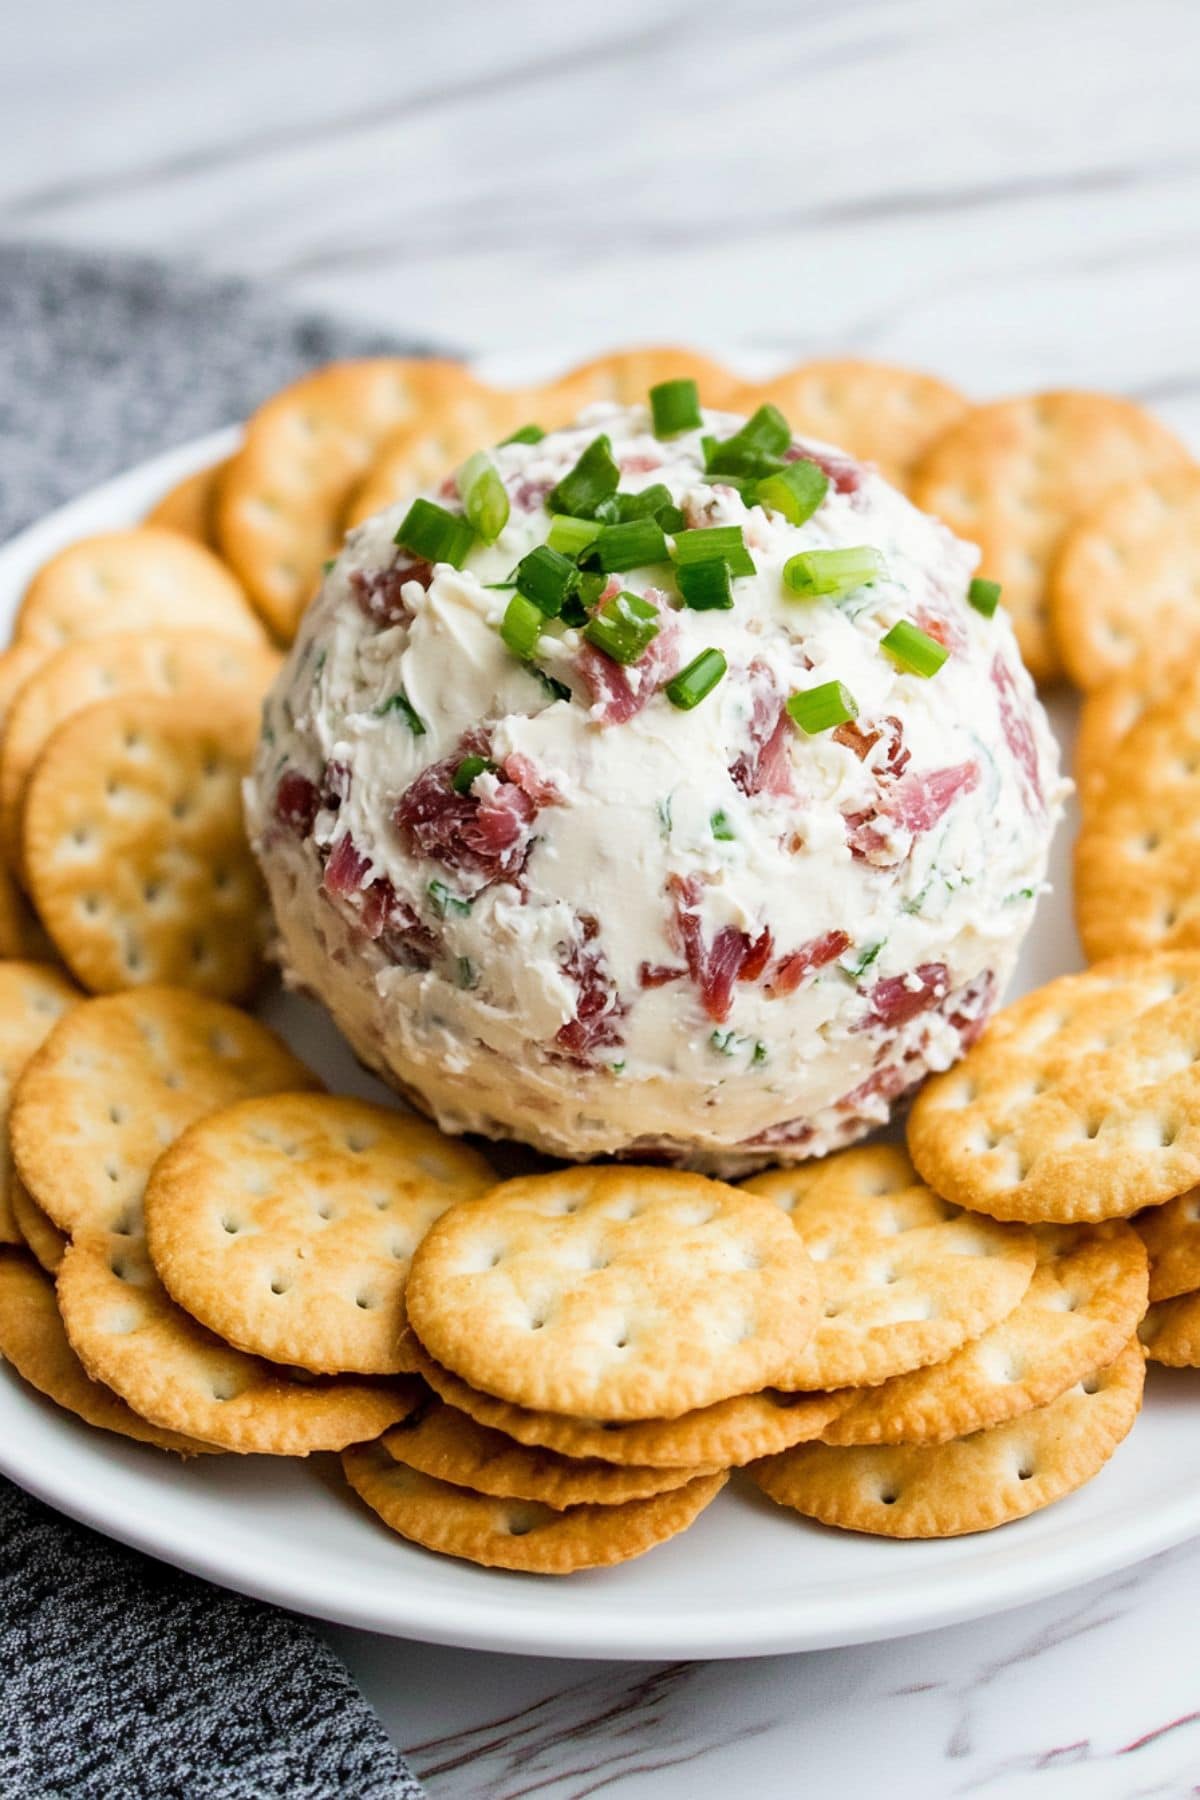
(1003, 190)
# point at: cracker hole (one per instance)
(366, 1301)
(888, 1496)
(279, 1285)
(1090, 1384)
(1025, 1469)
(230, 1225)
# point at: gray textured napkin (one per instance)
(121, 1679)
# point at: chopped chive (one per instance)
(650, 503)
(468, 770)
(697, 681)
(569, 535)
(705, 586)
(984, 596)
(434, 534)
(524, 434)
(754, 450)
(624, 627)
(723, 1041)
(399, 702)
(856, 966)
(760, 1052)
(725, 541)
(914, 649)
(722, 830)
(484, 496)
(821, 708)
(446, 903)
(586, 487)
(330, 563)
(547, 578)
(467, 976)
(796, 491)
(814, 573)
(608, 510)
(557, 690)
(675, 406)
(632, 545)
(521, 627)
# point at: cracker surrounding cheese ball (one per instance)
(547, 903)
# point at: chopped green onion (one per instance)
(632, 545)
(821, 708)
(400, 703)
(835, 572)
(608, 510)
(330, 563)
(707, 541)
(705, 586)
(624, 627)
(722, 830)
(914, 649)
(569, 535)
(464, 777)
(698, 680)
(434, 534)
(525, 434)
(723, 1041)
(521, 627)
(446, 903)
(592, 481)
(484, 496)
(675, 406)
(796, 491)
(557, 690)
(547, 578)
(755, 449)
(648, 504)
(984, 596)
(467, 977)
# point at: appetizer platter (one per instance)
(687, 1123)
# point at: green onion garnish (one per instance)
(705, 586)
(547, 578)
(675, 406)
(446, 903)
(521, 627)
(818, 572)
(722, 830)
(796, 491)
(484, 496)
(725, 541)
(624, 627)
(588, 485)
(755, 449)
(434, 534)
(464, 777)
(525, 434)
(632, 545)
(821, 708)
(569, 535)
(557, 690)
(328, 564)
(467, 977)
(650, 503)
(984, 596)
(400, 703)
(914, 649)
(692, 684)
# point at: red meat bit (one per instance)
(656, 975)
(716, 967)
(919, 802)
(791, 970)
(529, 495)
(346, 870)
(297, 803)
(765, 767)
(598, 1008)
(640, 465)
(885, 1084)
(381, 595)
(528, 777)
(335, 785)
(862, 739)
(479, 833)
(1018, 733)
(845, 475)
(619, 692)
(941, 627)
(384, 917)
(972, 1007)
(898, 998)
(793, 1132)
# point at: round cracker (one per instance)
(1127, 576)
(1014, 475)
(17, 664)
(1171, 1234)
(613, 1293)
(722, 1436)
(971, 1483)
(419, 456)
(1137, 856)
(881, 414)
(135, 846)
(21, 934)
(287, 1223)
(1110, 712)
(905, 1277)
(1170, 1332)
(33, 998)
(1081, 1100)
(39, 1231)
(281, 503)
(1082, 1307)
(519, 1534)
(626, 377)
(130, 1335)
(144, 579)
(116, 1082)
(451, 1446)
(95, 669)
(32, 1339)
(190, 506)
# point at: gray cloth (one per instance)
(121, 1679)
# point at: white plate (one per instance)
(748, 1579)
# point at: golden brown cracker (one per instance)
(190, 506)
(1081, 1101)
(422, 454)
(613, 1293)
(1014, 475)
(1171, 1234)
(971, 1483)
(626, 377)
(39, 1231)
(33, 998)
(1110, 712)
(1170, 1332)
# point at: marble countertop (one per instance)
(1006, 192)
